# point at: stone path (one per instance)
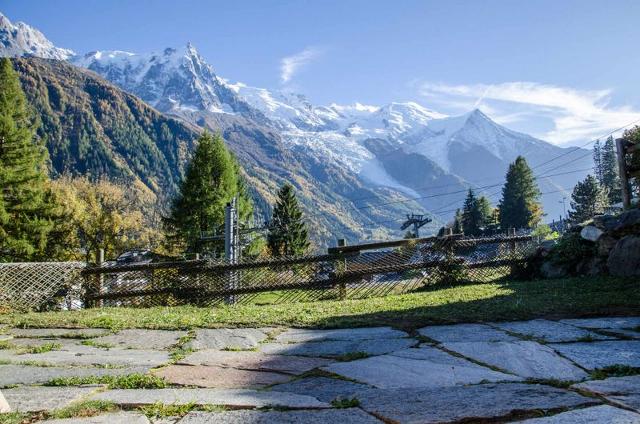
(499, 372)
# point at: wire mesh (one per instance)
(41, 285)
(362, 271)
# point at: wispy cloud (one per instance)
(290, 65)
(572, 115)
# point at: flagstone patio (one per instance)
(502, 372)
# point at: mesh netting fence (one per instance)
(41, 285)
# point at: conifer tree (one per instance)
(610, 178)
(485, 211)
(520, 206)
(288, 234)
(587, 200)
(211, 181)
(597, 160)
(471, 218)
(457, 226)
(25, 203)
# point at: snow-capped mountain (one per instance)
(401, 146)
(20, 39)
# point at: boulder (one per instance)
(624, 259)
(591, 233)
(591, 266)
(549, 269)
(627, 221)
(605, 244)
(605, 222)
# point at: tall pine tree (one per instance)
(26, 207)
(610, 178)
(471, 217)
(288, 234)
(587, 200)
(212, 179)
(597, 160)
(520, 206)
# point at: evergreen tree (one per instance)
(287, 233)
(485, 211)
(211, 181)
(457, 226)
(471, 218)
(610, 178)
(597, 160)
(26, 208)
(520, 206)
(587, 200)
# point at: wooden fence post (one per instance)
(342, 286)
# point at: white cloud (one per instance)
(290, 65)
(572, 116)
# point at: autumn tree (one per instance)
(105, 215)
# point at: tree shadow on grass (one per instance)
(513, 300)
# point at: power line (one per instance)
(584, 145)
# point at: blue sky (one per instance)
(565, 71)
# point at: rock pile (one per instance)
(606, 244)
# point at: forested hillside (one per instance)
(93, 128)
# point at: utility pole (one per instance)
(416, 221)
(231, 246)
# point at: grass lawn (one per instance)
(503, 300)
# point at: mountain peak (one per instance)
(20, 39)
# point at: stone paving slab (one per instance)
(39, 398)
(335, 348)
(228, 338)
(114, 418)
(257, 361)
(524, 358)
(622, 390)
(622, 333)
(453, 404)
(236, 398)
(25, 374)
(611, 322)
(218, 377)
(5, 337)
(65, 344)
(142, 339)
(304, 335)
(594, 414)
(465, 333)
(324, 388)
(336, 416)
(4, 405)
(602, 354)
(549, 331)
(59, 332)
(88, 356)
(423, 367)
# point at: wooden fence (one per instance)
(357, 271)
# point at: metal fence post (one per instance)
(230, 247)
(99, 280)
